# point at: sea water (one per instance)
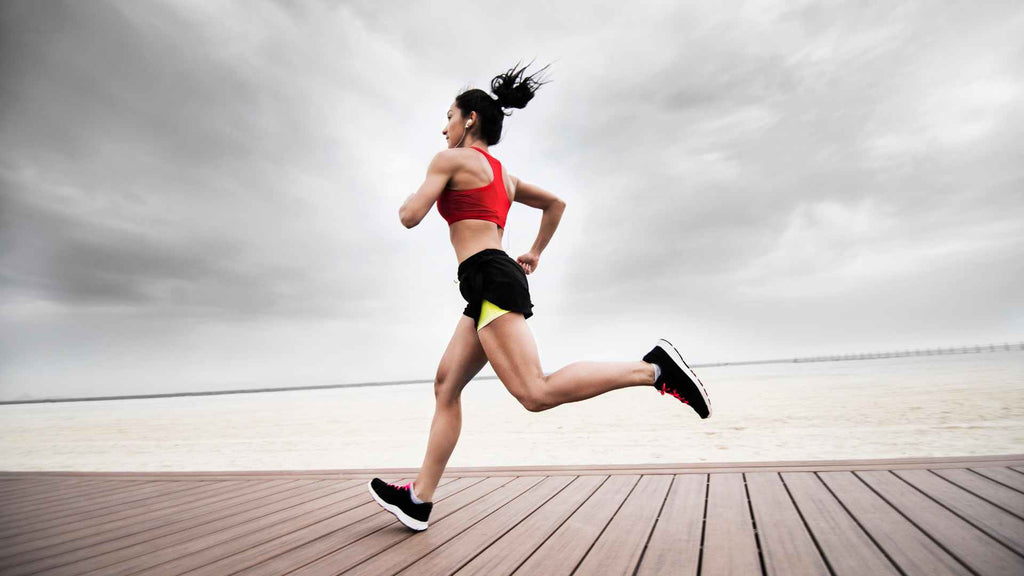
(959, 405)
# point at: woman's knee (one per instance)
(531, 395)
(446, 391)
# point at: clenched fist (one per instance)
(529, 261)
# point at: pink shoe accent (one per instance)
(411, 489)
(664, 389)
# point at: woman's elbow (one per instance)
(407, 219)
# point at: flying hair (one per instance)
(511, 89)
(514, 91)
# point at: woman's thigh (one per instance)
(512, 351)
(462, 360)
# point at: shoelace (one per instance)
(664, 389)
(398, 486)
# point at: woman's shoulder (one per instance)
(454, 158)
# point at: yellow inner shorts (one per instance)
(488, 312)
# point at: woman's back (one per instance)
(476, 202)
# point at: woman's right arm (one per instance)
(553, 207)
(416, 206)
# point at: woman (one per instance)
(473, 193)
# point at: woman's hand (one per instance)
(529, 261)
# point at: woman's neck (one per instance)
(468, 142)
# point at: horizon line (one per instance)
(942, 351)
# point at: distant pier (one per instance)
(1019, 346)
(977, 349)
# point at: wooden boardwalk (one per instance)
(869, 517)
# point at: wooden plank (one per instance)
(459, 550)
(53, 531)
(994, 492)
(1004, 476)
(729, 543)
(786, 545)
(91, 510)
(52, 548)
(629, 469)
(20, 485)
(909, 548)
(807, 466)
(618, 549)
(266, 544)
(226, 556)
(847, 548)
(924, 522)
(511, 549)
(362, 525)
(165, 554)
(170, 528)
(29, 487)
(409, 550)
(674, 547)
(985, 516)
(62, 495)
(12, 486)
(563, 551)
(393, 533)
(94, 519)
(971, 546)
(82, 503)
(63, 490)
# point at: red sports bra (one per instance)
(488, 202)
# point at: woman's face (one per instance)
(456, 126)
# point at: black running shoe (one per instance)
(397, 500)
(677, 379)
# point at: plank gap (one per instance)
(560, 524)
(753, 523)
(915, 524)
(654, 526)
(704, 524)
(807, 527)
(605, 527)
(861, 526)
(979, 495)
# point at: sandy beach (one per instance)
(905, 407)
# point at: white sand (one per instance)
(910, 407)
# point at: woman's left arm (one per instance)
(552, 206)
(416, 206)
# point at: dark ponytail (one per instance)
(511, 89)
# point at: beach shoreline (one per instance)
(947, 406)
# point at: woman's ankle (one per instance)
(416, 494)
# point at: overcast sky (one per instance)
(200, 195)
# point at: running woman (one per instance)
(473, 193)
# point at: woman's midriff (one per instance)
(471, 236)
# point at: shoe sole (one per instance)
(671, 351)
(409, 521)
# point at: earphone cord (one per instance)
(466, 129)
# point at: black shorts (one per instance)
(494, 275)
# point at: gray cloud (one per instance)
(142, 170)
(765, 179)
(747, 149)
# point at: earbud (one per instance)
(464, 132)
